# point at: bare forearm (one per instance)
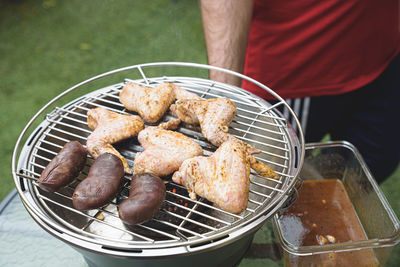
(226, 26)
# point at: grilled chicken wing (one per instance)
(214, 116)
(164, 150)
(109, 128)
(152, 103)
(222, 178)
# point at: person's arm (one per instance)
(226, 25)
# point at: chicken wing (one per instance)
(222, 178)
(214, 116)
(164, 150)
(151, 103)
(109, 128)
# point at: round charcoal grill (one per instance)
(182, 227)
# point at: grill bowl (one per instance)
(183, 227)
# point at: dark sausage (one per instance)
(64, 167)
(145, 199)
(101, 185)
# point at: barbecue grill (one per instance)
(184, 231)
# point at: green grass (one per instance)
(48, 46)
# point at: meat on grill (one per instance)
(151, 103)
(164, 150)
(222, 178)
(109, 128)
(214, 116)
(146, 197)
(64, 167)
(101, 185)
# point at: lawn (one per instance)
(48, 46)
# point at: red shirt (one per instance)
(302, 48)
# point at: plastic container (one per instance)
(380, 225)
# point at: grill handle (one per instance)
(294, 195)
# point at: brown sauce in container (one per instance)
(323, 214)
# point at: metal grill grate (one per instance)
(181, 220)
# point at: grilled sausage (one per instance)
(145, 199)
(64, 167)
(101, 185)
